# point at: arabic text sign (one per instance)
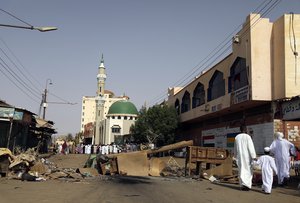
(291, 109)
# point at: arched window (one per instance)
(216, 87)
(238, 75)
(198, 96)
(186, 102)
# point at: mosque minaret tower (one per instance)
(100, 99)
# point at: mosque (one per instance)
(106, 118)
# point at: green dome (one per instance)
(122, 107)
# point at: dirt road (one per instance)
(133, 189)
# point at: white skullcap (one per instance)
(278, 135)
(267, 149)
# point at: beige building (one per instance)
(248, 86)
(88, 111)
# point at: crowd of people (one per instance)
(64, 147)
(112, 148)
(276, 160)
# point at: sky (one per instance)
(148, 46)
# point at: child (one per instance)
(267, 164)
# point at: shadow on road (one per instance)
(132, 180)
(287, 190)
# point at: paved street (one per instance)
(133, 189)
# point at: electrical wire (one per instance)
(18, 79)
(293, 44)
(13, 81)
(24, 68)
(36, 90)
(16, 17)
(64, 101)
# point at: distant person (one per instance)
(281, 148)
(267, 164)
(64, 147)
(244, 152)
(59, 149)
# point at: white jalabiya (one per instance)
(281, 149)
(267, 164)
(105, 149)
(115, 149)
(244, 152)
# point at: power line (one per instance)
(22, 73)
(16, 84)
(21, 64)
(36, 90)
(18, 79)
(16, 17)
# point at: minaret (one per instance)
(100, 100)
(101, 77)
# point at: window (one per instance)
(116, 129)
(238, 75)
(199, 95)
(216, 87)
(125, 117)
(186, 102)
(119, 117)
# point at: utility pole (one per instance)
(45, 104)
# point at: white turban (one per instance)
(278, 135)
(267, 149)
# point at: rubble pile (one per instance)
(173, 169)
(213, 164)
(28, 166)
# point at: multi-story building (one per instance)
(88, 111)
(96, 120)
(250, 86)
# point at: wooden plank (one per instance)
(177, 145)
(136, 164)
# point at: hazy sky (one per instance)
(148, 46)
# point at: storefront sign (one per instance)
(291, 110)
(240, 95)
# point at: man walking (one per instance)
(281, 148)
(244, 152)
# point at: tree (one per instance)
(78, 137)
(69, 137)
(157, 125)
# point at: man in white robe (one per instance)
(267, 164)
(244, 152)
(281, 148)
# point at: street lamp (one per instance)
(41, 29)
(48, 81)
